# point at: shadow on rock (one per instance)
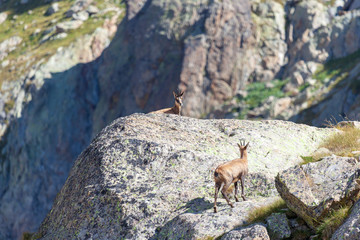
(197, 205)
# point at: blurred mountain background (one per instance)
(68, 68)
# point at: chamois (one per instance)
(176, 108)
(231, 172)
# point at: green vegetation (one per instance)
(258, 92)
(9, 105)
(337, 66)
(29, 22)
(332, 222)
(345, 141)
(259, 214)
(337, 70)
(282, 2)
(27, 236)
(342, 143)
(307, 159)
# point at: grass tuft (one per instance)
(307, 159)
(331, 223)
(343, 142)
(260, 213)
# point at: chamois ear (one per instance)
(246, 145)
(239, 146)
(174, 94)
(181, 94)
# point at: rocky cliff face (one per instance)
(55, 99)
(150, 177)
(319, 68)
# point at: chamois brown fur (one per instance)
(232, 172)
(176, 108)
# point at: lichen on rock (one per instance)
(147, 176)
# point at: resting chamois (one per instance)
(176, 108)
(231, 172)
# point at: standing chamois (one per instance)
(176, 108)
(231, 172)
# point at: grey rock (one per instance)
(270, 51)
(312, 190)
(68, 25)
(82, 16)
(78, 6)
(46, 83)
(133, 171)
(36, 32)
(255, 231)
(5, 63)
(59, 36)
(92, 10)
(308, 15)
(339, 102)
(3, 17)
(52, 9)
(24, 1)
(278, 226)
(49, 30)
(206, 224)
(280, 106)
(133, 8)
(9, 45)
(351, 5)
(350, 229)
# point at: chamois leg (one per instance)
(242, 188)
(217, 188)
(236, 191)
(223, 191)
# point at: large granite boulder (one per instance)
(314, 189)
(151, 176)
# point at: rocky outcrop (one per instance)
(270, 37)
(314, 60)
(201, 47)
(341, 101)
(52, 126)
(208, 48)
(312, 190)
(150, 176)
(9, 45)
(71, 96)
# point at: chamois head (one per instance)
(178, 99)
(242, 146)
